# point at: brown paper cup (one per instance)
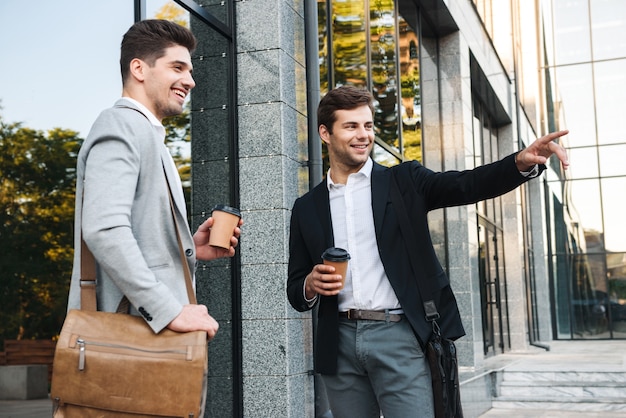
(338, 258)
(225, 219)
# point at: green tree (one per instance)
(37, 183)
(178, 141)
(178, 128)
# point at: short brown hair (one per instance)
(342, 98)
(148, 40)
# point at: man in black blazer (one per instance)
(371, 332)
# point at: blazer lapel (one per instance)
(322, 208)
(380, 194)
(173, 181)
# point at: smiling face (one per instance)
(349, 142)
(166, 83)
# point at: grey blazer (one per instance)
(123, 211)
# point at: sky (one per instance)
(60, 65)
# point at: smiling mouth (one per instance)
(180, 94)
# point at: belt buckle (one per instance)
(348, 314)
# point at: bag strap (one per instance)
(425, 291)
(88, 270)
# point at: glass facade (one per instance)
(375, 44)
(587, 58)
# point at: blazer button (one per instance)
(188, 252)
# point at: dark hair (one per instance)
(148, 40)
(341, 98)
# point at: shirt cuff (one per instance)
(309, 302)
(532, 173)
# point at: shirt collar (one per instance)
(153, 120)
(366, 171)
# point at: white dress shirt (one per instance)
(367, 285)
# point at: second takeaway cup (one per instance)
(225, 219)
(338, 258)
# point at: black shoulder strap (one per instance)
(409, 239)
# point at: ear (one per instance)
(324, 134)
(137, 68)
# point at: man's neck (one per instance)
(339, 173)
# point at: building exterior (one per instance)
(458, 83)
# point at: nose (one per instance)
(189, 82)
(362, 132)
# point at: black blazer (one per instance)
(422, 191)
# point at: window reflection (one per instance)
(612, 161)
(613, 203)
(384, 73)
(584, 207)
(571, 35)
(411, 104)
(608, 22)
(377, 50)
(575, 88)
(610, 79)
(584, 163)
(349, 43)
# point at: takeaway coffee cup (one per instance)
(338, 258)
(225, 219)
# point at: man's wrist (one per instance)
(525, 170)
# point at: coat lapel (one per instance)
(173, 181)
(322, 208)
(380, 195)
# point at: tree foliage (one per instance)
(178, 128)
(37, 189)
(37, 182)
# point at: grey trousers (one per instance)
(382, 371)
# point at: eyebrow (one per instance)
(353, 122)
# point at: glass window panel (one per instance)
(384, 157)
(608, 23)
(571, 31)
(322, 30)
(411, 97)
(584, 162)
(217, 8)
(167, 9)
(383, 43)
(589, 296)
(562, 267)
(546, 19)
(575, 91)
(349, 43)
(610, 79)
(584, 207)
(41, 91)
(477, 130)
(612, 160)
(616, 267)
(614, 206)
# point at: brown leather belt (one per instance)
(370, 315)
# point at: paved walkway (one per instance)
(37, 408)
(579, 355)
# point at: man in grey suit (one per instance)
(371, 332)
(124, 178)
